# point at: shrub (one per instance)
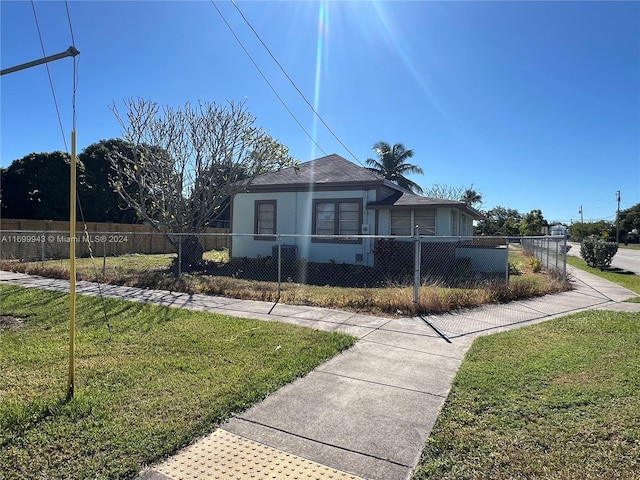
(535, 264)
(598, 253)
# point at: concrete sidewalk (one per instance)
(366, 412)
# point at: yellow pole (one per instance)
(72, 270)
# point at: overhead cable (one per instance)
(265, 78)
(294, 84)
(53, 91)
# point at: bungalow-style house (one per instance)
(308, 205)
(559, 229)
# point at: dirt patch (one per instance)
(568, 379)
(8, 322)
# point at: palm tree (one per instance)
(471, 197)
(392, 165)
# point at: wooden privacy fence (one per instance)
(47, 239)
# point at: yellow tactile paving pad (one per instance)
(225, 456)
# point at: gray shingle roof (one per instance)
(336, 171)
(329, 170)
(411, 200)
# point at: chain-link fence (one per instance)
(361, 261)
(551, 251)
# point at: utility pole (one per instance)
(618, 218)
(69, 52)
(581, 225)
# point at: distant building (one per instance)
(559, 229)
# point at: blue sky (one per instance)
(537, 104)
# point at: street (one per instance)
(624, 259)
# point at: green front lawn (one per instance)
(556, 400)
(160, 379)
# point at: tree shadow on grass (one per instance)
(619, 271)
(18, 418)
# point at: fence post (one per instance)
(179, 257)
(416, 268)
(104, 256)
(547, 241)
(507, 261)
(42, 243)
(279, 264)
(564, 263)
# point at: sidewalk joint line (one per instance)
(422, 392)
(435, 329)
(410, 349)
(327, 444)
(413, 334)
(544, 315)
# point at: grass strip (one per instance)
(557, 400)
(625, 279)
(160, 379)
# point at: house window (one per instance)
(325, 218)
(454, 223)
(426, 220)
(349, 220)
(403, 221)
(265, 219)
(337, 217)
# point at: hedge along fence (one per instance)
(30, 240)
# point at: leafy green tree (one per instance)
(500, 220)
(629, 220)
(511, 226)
(392, 165)
(100, 202)
(599, 229)
(532, 223)
(37, 187)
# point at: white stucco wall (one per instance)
(294, 212)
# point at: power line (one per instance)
(75, 68)
(74, 95)
(53, 91)
(73, 40)
(74, 119)
(294, 84)
(265, 78)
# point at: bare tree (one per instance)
(188, 163)
(462, 194)
(448, 192)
